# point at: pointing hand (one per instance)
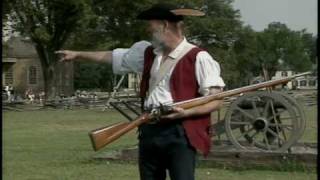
(66, 55)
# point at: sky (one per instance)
(296, 14)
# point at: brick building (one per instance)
(22, 70)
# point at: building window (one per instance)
(312, 83)
(303, 83)
(284, 73)
(66, 79)
(32, 75)
(8, 77)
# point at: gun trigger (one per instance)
(169, 109)
(162, 109)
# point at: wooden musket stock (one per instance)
(104, 136)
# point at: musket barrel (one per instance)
(203, 100)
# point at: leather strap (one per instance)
(167, 66)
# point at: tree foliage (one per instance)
(240, 64)
(280, 48)
(103, 25)
(88, 76)
(49, 23)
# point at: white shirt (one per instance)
(132, 60)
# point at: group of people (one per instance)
(29, 95)
(172, 70)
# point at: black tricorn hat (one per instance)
(167, 12)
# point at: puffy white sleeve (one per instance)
(207, 72)
(129, 60)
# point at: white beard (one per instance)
(157, 40)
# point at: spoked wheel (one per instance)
(299, 113)
(264, 121)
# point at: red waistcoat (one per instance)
(183, 86)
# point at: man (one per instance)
(172, 70)
(8, 92)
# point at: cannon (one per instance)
(263, 121)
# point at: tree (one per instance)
(118, 23)
(278, 47)
(5, 11)
(241, 64)
(275, 48)
(217, 32)
(88, 76)
(49, 24)
(310, 43)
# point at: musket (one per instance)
(105, 135)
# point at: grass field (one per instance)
(54, 145)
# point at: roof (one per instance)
(17, 47)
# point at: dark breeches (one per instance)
(165, 147)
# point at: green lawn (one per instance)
(54, 145)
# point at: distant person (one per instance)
(41, 97)
(30, 96)
(13, 94)
(9, 92)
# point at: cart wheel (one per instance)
(264, 121)
(299, 112)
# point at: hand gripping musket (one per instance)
(103, 136)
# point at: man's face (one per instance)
(156, 28)
(154, 25)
